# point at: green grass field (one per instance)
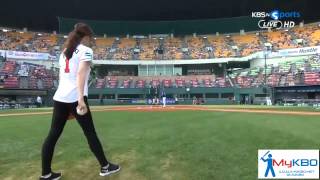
(176, 145)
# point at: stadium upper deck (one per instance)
(167, 47)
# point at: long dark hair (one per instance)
(75, 37)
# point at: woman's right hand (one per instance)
(82, 106)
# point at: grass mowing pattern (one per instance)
(156, 145)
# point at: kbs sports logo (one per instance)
(276, 19)
(288, 164)
(276, 14)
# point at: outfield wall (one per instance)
(210, 95)
(290, 95)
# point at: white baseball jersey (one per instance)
(67, 90)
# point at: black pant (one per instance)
(61, 112)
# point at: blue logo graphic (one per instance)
(276, 15)
(269, 161)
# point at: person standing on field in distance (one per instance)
(164, 97)
(39, 101)
(71, 96)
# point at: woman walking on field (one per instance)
(71, 99)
